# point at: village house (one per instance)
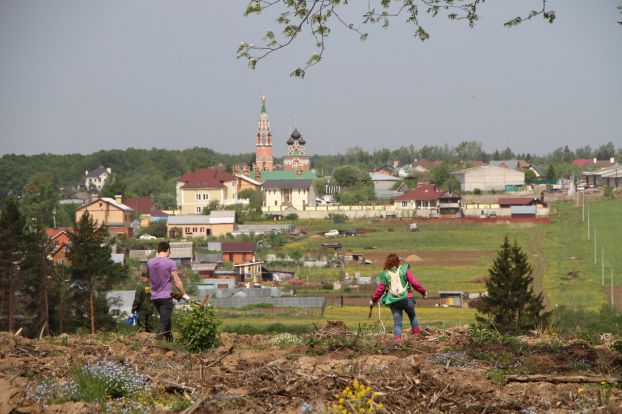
(429, 201)
(59, 244)
(111, 213)
(592, 163)
(294, 194)
(488, 178)
(238, 252)
(96, 179)
(425, 166)
(610, 176)
(196, 189)
(146, 210)
(383, 184)
(217, 223)
(182, 253)
(523, 206)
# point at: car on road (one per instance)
(147, 237)
(332, 233)
(349, 232)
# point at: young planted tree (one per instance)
(93, 270)
(11, 254)
(511, 305)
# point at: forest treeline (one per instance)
(152, 172)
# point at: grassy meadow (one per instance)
(457, 256)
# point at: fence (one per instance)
(300, 302)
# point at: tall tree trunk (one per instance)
(11, 308)
(92, 308)
(44, 282)
(62, 298)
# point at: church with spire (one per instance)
(296, 164)
(263, 144)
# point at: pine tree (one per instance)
(11, 244)
(511, 305)
(93, 271)
(37, 271)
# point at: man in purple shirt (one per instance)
(162, 275)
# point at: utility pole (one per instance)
(588, 223)
(595, 259)
(602, 267)
(612, 288)
(583, 204)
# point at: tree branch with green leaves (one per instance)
(316, 17)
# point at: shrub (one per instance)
(477, 191)
(291, 217)
(608, 192)
(198, 329)
(484, 334)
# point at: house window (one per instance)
(194, 229)
(205, 196)
(275, 202)
(60, 261)
(404, 204)
(197, 196)
(188, 230)
(115, 312)
(198, 210)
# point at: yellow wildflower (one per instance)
(580, 390)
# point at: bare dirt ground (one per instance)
(440, 371)
(435, 258)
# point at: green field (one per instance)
(566, 249)
(455, 256)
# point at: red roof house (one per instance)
(238, 252)
(60, 244)
(424, 196)
(205, 178)
(144, 205)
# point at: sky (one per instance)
(82, 76)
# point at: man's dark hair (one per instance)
(163, 246)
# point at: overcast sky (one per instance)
(80, 76)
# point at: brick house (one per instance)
(111, 213)
(238, 252)
(196, 189)
(60, 244)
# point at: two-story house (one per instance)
(59, 244)
(293, 193)
(112, 213)
(96, 178)
(196, 189)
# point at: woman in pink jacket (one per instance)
(395, 286)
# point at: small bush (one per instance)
(291, 217)
(616, 346)
(484, 334)
(198, 329)
(477, 191)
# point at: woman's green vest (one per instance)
(388, 298)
